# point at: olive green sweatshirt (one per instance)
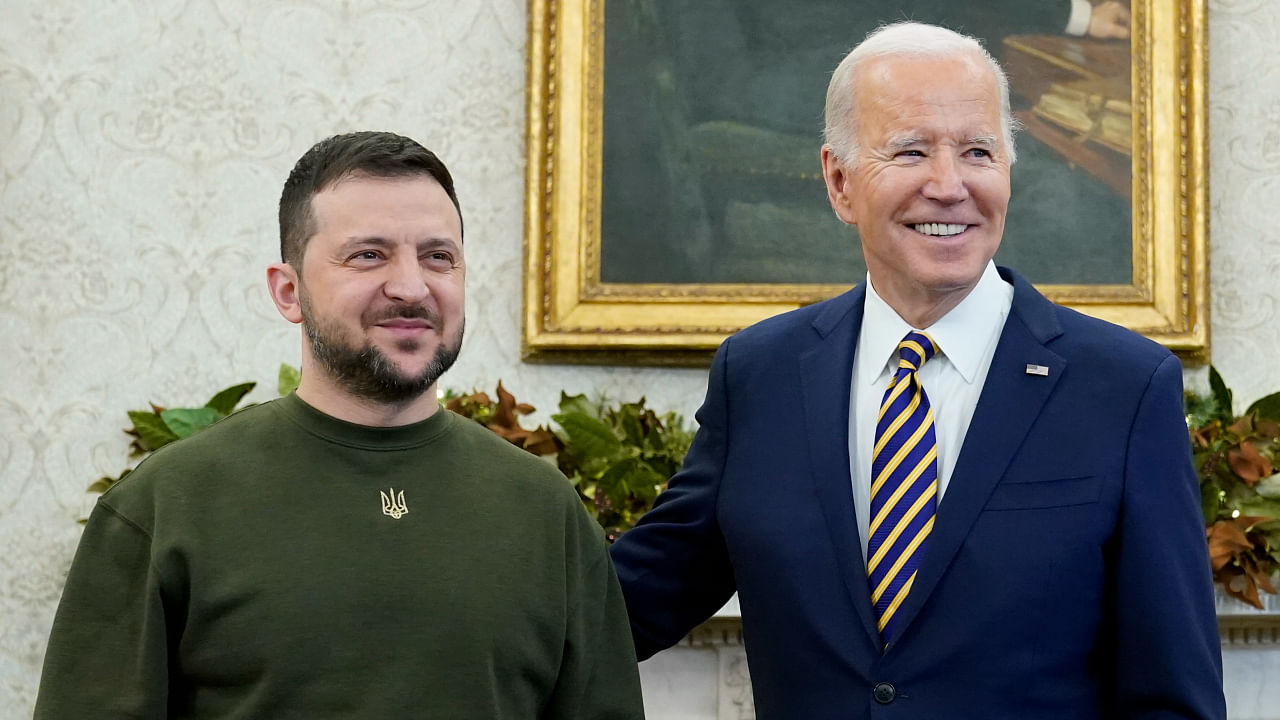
(286, 564)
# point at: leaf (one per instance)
(1221, 393)
(1239, 585)
(1266, 407)
(632, 428)
(476, 406)
(616, 481)
(1260, 577)
(1258, 507)
(1249, 464)
(541, 441)
(1269, 487)
(577, 404)
(481, 398)
(1267, 429)
(287, 379)
(1250, 522)
(1242, 427)
(1226, 541)
(153, 433)
(644, 481)
(504, 415)
(224, 402)
(1210, 502)
(588, 436)
(185, 422)
(1204, 435)
(1200, 410)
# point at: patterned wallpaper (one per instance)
(142, 148)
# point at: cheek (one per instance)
(893, 194)
(995, 191)
(449, 293)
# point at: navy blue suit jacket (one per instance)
(1066, 575)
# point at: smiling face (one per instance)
(929, 186)
(380, 291)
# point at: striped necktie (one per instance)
(904, 483)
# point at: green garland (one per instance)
(619, 455)
(1236, 458)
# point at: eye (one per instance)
(910, 154)
(979, 152)
(366, 256)
(440, 260)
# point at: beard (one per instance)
(365, 371)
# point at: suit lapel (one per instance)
(826, 369)
(1011, 400)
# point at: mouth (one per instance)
(939, 229)
(402, 327)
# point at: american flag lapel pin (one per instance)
(1033, 369)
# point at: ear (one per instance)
(837, 176)
(283, 284)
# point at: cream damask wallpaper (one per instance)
(142, 148)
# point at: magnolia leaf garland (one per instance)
(619, 456)
(1236, 458)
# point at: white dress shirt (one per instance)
(952, 379)
(1078, 20)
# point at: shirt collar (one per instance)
(963, 334)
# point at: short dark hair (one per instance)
(375, 154)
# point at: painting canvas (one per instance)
(712, 122)
(676, 192)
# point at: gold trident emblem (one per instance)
(393, 505)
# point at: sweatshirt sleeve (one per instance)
(107, 655)
(599, 678)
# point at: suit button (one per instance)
(883, 693)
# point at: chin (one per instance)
(953, 279)
(407, 371)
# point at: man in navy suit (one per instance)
(938, 495)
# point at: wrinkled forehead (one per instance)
(903, 71)
(899, 90)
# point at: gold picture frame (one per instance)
(572, 315)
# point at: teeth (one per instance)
(939, 228)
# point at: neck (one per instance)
(922, 308)
(319, 390)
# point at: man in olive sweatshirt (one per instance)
(351, 550)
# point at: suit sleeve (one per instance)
(107, 655)
(674, 566)
(1168, 661)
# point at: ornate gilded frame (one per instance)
(570, 315)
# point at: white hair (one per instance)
(840, 129)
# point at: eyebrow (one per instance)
(357, 241)
(906, 141)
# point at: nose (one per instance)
(946, 182)
(405, 281)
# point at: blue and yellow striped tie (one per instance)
(904, 483)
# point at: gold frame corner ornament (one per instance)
(570, 315)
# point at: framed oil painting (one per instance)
(674, 192)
